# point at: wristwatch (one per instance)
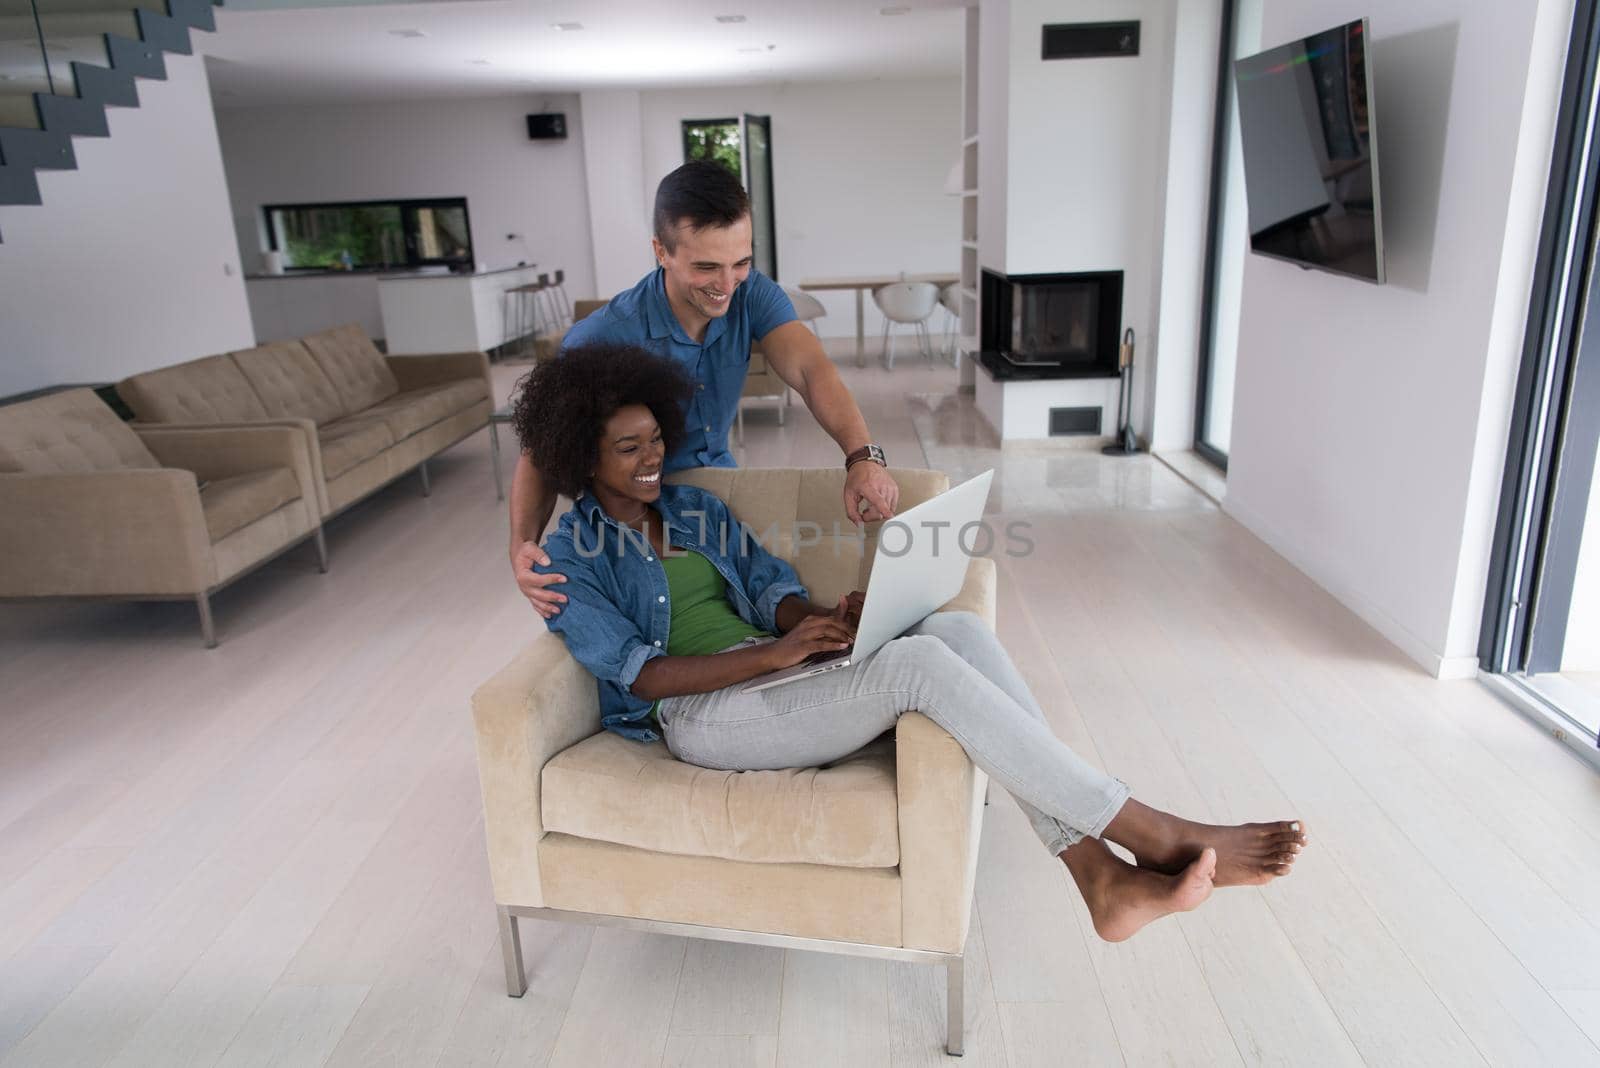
(866, 452)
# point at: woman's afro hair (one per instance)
(562, 406)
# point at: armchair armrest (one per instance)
(977, 593)
(416, 372)
(224, 451)
(541, 703)
(940, 795)
(306, 427)
(103, 534)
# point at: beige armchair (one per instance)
(95, 510)
(874, 855)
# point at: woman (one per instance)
(672, 608)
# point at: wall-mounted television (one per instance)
(1309, 135)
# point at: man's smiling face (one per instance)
(703, 269)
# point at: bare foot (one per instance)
(1122, 899)
(1248, 854)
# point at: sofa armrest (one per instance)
(308, 433)
(434, 369)
(977, 593)
(940, 794)
(103, 534)
(540, 704)
(222, 452)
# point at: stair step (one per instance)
(117, 88)
(136, 57)
(164, 32)
(73, 116)
(18, 185)
(44, 150)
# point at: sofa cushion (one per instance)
(348, 442)
(208, 390)
(289, 382)
(354, 365)
(232, 504)
(417, 409)
(612, 789)
(68, 432)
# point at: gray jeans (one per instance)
(952, 669)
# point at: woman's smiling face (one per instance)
(631, 452)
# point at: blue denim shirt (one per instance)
(618, 610)
(642, 316)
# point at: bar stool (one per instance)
(523, 316)
(564, 302)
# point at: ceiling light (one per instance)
(894, 11)
(407, 33)
(566, 27)
(752, 49)
(730, 18)
(478, 62)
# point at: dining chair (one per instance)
(910, 304)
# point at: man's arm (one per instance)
(532, 501)
(795, 355)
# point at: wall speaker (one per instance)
(551, 126)
(1087, 40)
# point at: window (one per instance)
(373, 234)
(716, 139)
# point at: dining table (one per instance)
(864, 282)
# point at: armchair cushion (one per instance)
(232, 503)
(66, 432)
(611, 789)
(354, 365)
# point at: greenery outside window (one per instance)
(715, 139)
(371, 234)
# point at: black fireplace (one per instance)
(1051, 325)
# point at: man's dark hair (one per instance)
(562, 406)
(700, 193)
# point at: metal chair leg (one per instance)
(322, 550)
(422, 472)
(741, 423)
(511, 950)
(494, 460)
(955, 1007)
(208, 630)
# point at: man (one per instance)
(702, 307)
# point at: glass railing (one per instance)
(41, 39)
(22, 64)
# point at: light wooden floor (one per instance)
(271, 853)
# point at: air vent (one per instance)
(1088, 40)
(1075, 421)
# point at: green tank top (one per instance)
(703, 622)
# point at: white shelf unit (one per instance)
(969, 186)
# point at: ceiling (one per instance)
(280, 52)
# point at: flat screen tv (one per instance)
(1307, 128)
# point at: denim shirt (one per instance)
(618, 610)
(643, 316)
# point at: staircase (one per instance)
(64, 62)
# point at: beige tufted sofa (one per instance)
(367, 418)
(873, 855)
(94, 509)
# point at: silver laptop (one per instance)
(924, 567)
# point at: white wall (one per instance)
(478, 149)
(1085, 156)
(858, 175)
(1370, 422)
(1168, 422)
(619, 216)
(130, 263)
